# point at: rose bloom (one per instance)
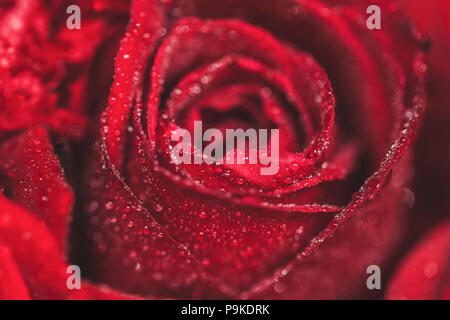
(86, 117)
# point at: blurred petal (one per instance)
(424, 273)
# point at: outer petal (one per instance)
(337, 268)
(12, 286)
(34, 179)
(425, 272)
(32, 255)
(35, 251)
(32, 263)
(432, 185)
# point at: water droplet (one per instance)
(206, 262)
(430, 269)
(279, 287)
(109, 205)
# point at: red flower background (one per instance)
(85, 123)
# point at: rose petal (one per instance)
(425, 272)
(12, 286)
(33, 246)
(35, 180)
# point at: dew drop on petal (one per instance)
(109, 205)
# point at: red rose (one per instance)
(347, 101)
